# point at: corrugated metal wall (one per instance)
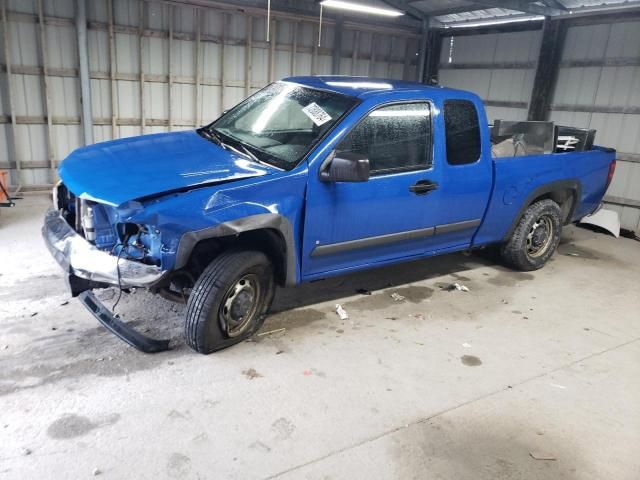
(499, 67)
(598, 87)
(188, 64)
(155, 67)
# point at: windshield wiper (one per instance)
(244, 151)
(214, 137)
(249, 153)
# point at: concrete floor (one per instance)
(448, 385)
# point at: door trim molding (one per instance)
(379, 240)
(454, 227)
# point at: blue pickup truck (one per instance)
(309, 177)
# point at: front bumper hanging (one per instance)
(119, 328)
(88, 267)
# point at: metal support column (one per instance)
(47, 95)
(371, 66)
(554, 33)
(354, 52)
(337, 46)
(422, 51)
(433, 58)
(314, 51)
(222, 61)
(248, 57)
(112, 72)
(272, 51)
(12, 108)
(143, 112)
(294, 49)
(408, 58)
(85, 82)
(390, 56)
(198, 96)
(170, 66)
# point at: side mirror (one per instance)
(346, 167)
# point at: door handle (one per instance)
(422, 187)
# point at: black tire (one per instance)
(206, 329)
(535, 238)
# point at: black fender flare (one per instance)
(573, 185)
(261, 221)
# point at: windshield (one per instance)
(282, 122)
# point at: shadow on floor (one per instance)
(397, 275)
(477, 450)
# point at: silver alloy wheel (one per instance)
(240, 305)
(540, 236)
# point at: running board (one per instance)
(119, 328)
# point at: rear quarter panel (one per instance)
(516, 179)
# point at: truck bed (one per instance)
(517, 181)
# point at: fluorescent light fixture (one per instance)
(360, 8)
(495, 21)
(379, 85)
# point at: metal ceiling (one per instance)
(462, 12)
(441, 13)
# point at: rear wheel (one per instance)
(229, 300)
(535, 238)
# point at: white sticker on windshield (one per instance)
(316, 114)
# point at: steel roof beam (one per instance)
(555, 4)
(454, 10)
(520, 6)
(517, 5)
(406, 7)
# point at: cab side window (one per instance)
(394, 138)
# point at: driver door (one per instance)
(352, 225)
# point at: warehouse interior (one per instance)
(518, 376)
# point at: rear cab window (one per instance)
(462, 132)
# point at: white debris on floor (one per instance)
(341, 312)
(457, 286)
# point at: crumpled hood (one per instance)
(131, 168)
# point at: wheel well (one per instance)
(267, 240)
(565, 197)
(565, 193)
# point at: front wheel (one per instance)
(535, 238)
(229, 300)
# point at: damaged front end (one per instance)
(123, 207)
(97, 251)
(87, 241)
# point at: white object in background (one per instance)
(566, 142)
(341, 312)
(603, 218)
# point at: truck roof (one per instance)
(362, 87)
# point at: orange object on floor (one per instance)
(4, 180)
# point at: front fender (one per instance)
(234, 227)
(273, 202)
